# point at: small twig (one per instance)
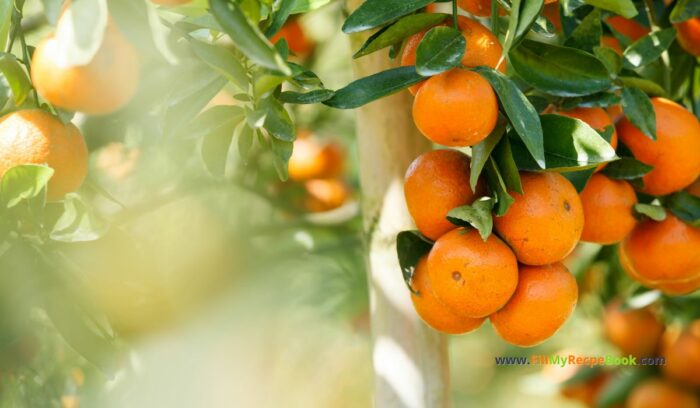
(454, 14)
(654, 23)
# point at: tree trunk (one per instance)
(410, 360)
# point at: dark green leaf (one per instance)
(24, 182)
(316, 96)
(503, 155)
(280, 16)
(520, 111)
(247, 36)
(375, 13)
(477, 215)
(627, 168)
(625, 8)
(278, 122)
(523, 14)
(648, 48)
(498, 187)
(442, 48)
(686, 207)
(411, 246)
(373, 87)
(639, 110)
(655, 212)
(610, 58)
(569, 144)
(685, 10)
(222, 61)
(649, 87)
(600, 99)
(396, 32)
(78, 222)
(579, 178)
(482, 151)
(559, 70)
(587, 35)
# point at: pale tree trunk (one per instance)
(410, 360)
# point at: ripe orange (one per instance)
(170, 2)
(482, 47)
(296, 38)
(674, 154)
(682, 354)
(596, 118)
(456, 108)
(311, 160)
(659, 253)
(434, 313)
(611, 42)
(694, 188)
(545, 223)
(589, 390)
(615, 113)
(551, 12)
(607, 210)
(627, 27)
(36, 137)
(689, 35)
(656, 393)
(470, 276)
(103, 86)
(480, 8)
(325, 194)
(544, 300)
(436, 182)
(635, 332)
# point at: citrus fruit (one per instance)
(296, 38)
(627, 27)
(311, 159)
(694, 188)
(434, 313)
(37, 137)
(543, 301)
(635, 332)
(325, 194)
(607, 210)
(544, 223)
(689, 35)
(682, 354)
(102, 86)
(436, 182)
(470, 276)
(456, 108)
(656, 393)
(674, 154)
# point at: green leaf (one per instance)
(80, 31)
(482, 151)
(280, 16)
(655, 212)
(16, 77)
(648, 86)
(648, 48)
(569, 145)
(303, 6)
(520, 111)
(247, 37)
(442, 48)
(503, 155)
(523, 14)
(282, 150)
(610, 58)
(639, 110)
(189, 99)
(396, 32)
(600, 99)
(317, 96)
(6, 9)
(587, 35)
(579, 178)
(373, 87)
(616, 391)
(686, 207)
(219, 124)
(685, 10)
(625, 8)
(477, 215)
(222, 61)
(278, 122)
(560, 71)
(375, 13)
(24, 182)
(627, 168)
(78, 222)
(498, 187)
(411, 246)
(245, 140)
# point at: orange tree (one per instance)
(525, 93)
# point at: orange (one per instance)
(543, 301)
(596, 118)
(607, 210)
(434, 313)
(103, 86)
(470, 276)
(297, 41)
(456, 108)
(682, 354)
(480, 8)
(694, 188)
(436, 182)
(689, 35)
(658, 253)
(551, 12)
(544, 224)
(656, 393)
(589, 390)
(627, 27)
(482, 47)
(310, 159)
(611, 42)
(431, 8)
(635, 332)
(615, 113)
(325, 194)
(170, 2)
(36, 137)
(674, 154)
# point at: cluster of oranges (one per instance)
(639, 333)
(319, 168)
